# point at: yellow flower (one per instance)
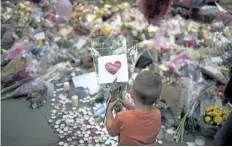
(227, 34)
(101, 12)
(178, 51)
(207, 119)
(106, 31)
(22, 14)
(41, 43)
(4, 51)
(22, 6)
(218, 120)
(210, 108)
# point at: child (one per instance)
(140, 124)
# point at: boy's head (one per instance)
(147, 88)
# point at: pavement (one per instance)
(23, 126)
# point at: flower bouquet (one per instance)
(109, 46)
(35, 90)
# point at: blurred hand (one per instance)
(110, 105)
(127, 104)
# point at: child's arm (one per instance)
(112, 124)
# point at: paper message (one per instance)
(40, 36)
(216, 59)
(113, 68)
(88, 80)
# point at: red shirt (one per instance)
(137, 128)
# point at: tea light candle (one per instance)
(200, 141)
(68, 122)
(160, 142)
(74, 101)
(169, 135)
(66, 86)
(61, 143)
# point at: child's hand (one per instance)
(127, 104)
(110, 105)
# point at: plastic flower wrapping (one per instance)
(20, 72)
(114, 45)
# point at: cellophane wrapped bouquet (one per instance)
(114, 45)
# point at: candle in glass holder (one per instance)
(169, 135)
(66, 86)
(74, 101)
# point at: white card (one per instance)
(216, 59)
(88, 80)
(40, 36)
(113, 67)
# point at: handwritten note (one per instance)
(40, 36)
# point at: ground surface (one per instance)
(23, 126)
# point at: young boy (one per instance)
(140, 124)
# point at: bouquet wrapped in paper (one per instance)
(114, 63)
(36, 90)
(21, 72)
(23, 65)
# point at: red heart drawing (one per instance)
(113, 68)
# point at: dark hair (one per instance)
(147, 87)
